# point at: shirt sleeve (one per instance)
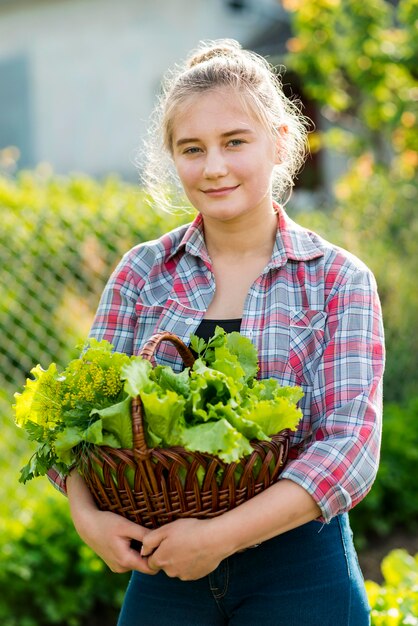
(115, 317)
(340, 462)
(114, 321)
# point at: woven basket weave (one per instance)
(154, 486)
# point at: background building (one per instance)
(78, 78)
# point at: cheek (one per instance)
(188, 174)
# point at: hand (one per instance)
(187, 549)
(108, 534)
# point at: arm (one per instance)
(338, 462)
(190, 548)
(108, 534)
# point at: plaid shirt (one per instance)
(315, 318)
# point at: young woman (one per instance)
(285, 557)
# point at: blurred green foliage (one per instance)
(358, 61)
(48, 576)
(60, 238)
(392, 502)
(395, 602)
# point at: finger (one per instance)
(146, 568)
(151, 541)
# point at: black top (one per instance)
(206, 328)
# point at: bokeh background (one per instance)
(78, 79)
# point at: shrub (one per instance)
(395, 602)
(392, 501)
(48, 576)
(59, 240)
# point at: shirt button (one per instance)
(189, 321)
(209, 274)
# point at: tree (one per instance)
(358, 61)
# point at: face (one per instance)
(224, 156)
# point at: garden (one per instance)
(62, 235)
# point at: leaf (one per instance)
(198, 344)
(116, 419)
(209, 386)
(273, 416)
(136, 375)
(248, 428)
(228, 363)
(36, 402)
(167, 379)
(218, 438)
(164, 417)
(35, 432)
(270, 389)
(245, 351)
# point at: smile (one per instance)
(221, 191)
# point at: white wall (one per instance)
(95, 67)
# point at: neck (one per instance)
(251, 235)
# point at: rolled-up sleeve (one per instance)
(340, 460)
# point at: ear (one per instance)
(282, 131)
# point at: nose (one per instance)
(215, 164)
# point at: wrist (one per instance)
(224, 538)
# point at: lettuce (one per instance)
(218, 438)
(217, 406)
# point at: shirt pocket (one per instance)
(307, 328)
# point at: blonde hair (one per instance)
(213, 65)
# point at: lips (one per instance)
(219, 191)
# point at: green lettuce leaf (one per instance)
(136, 375)
(116, 420)
(231, 413)
(209, 386)
(218, 438)
(70, 437)
(167, 379)
(228, 363)
(272, 416)
(245, 351)
(164, 413)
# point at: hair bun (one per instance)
(212, 49)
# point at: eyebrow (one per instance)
(229, 133)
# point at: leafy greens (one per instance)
(217, 406)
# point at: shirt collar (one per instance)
(293, 242)
(193, 240)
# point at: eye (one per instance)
(191, 150)
(235, 142)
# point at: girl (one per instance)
(285, 557)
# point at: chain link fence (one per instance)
(59, 241)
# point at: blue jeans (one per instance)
(309, 576)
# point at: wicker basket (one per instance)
(154, 486)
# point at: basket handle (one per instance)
(147, 352)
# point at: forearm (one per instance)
(82, 505)
(280, 508)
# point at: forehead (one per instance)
(215, 110)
